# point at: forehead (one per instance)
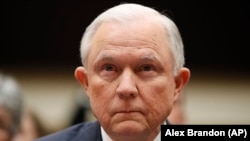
(131, 36)
(142, 30)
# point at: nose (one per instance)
(127, 87)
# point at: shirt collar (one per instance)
(105, 136)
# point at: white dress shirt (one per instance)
(105, 136)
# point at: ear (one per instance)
(81, 77)
(180, 82)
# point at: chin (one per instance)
(129, 128)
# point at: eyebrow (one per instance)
(105, 57)
(149, 57)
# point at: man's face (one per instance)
(5, 125)
(129, 77)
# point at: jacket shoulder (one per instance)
(88, 130)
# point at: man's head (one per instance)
(133, 70)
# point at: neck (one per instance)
(149, 136)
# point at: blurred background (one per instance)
(40, 48)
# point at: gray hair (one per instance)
(11, 100)
(126, 13)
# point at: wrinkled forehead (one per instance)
(140, 35)
(140, 32)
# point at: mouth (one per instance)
(128, 116)
(128, 112)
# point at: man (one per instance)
(132, 73)
(11, 106)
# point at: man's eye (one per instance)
(109, 67)
(146, 68)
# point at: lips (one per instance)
(128, 108)
(128, 111)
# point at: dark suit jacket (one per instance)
(90, 131)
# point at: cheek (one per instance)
(159, 98)
(100, 95)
